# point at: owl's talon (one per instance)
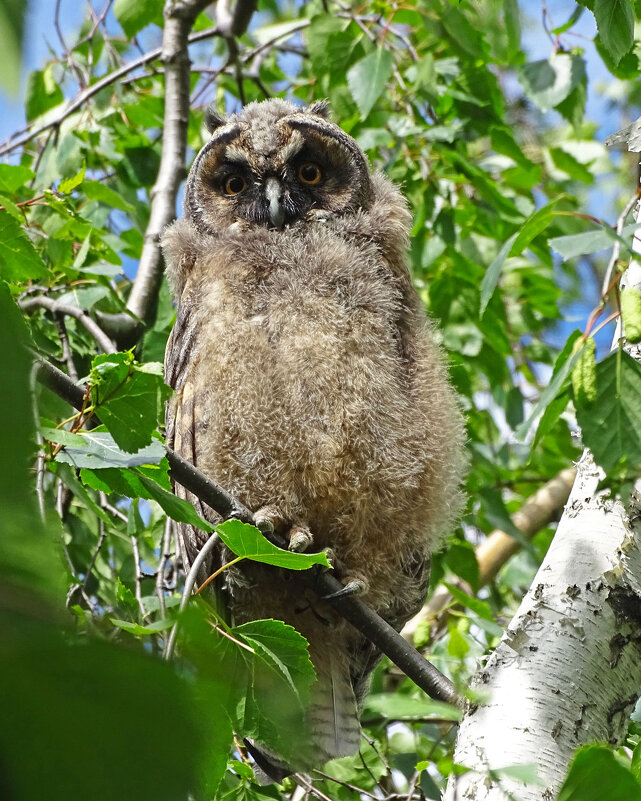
(331, 558)
(353, 587)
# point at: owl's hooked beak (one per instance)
(274, 195)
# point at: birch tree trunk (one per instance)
(568, 668)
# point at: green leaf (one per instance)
(144, 482)
(42, 93)
(101, 450)
(12, 16)
(96, 190)
(461, 560)
(129, 398)
(142, 631)
(10, 207)
(595, 774)
(592, 241)
(566, 162)
(262, 680)
(290, 654)
(562, 370)
(491, 277)
(496, 512)
(475, 604)
(330, 45)
(62, 437)
(574, 17)
(51, 687)
(176, 508)
(396, 707)
(615, 23)
(367, 79)
(133, 15)
(19, 260)
(13, 177)
(67, 186)
(534, 225)
(611, 424)
(548, 82)
(247, 541)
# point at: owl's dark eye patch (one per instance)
(234, 184)
(309, 173)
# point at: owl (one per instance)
(309, 384)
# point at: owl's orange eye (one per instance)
(234, 184)
(309, 173)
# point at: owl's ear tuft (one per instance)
(320, 108)
(214, 119)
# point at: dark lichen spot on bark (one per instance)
(626, 605)
(617, 644)
(573, 591)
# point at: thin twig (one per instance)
(616, 250)
(67, 353)
(162, 562)
(139, 575)
(83, 318)
(40, 459)
(190, 581)
(28, 133)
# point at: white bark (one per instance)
(568, 668)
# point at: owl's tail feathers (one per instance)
(333, 727)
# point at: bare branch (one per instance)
(56, 307)
(67, 354)
(364, 619)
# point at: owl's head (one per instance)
(273, 164)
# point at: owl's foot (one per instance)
(273, 525)
(354, 585)
(300, 538)
(270, 522)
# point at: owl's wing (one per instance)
(181, 416)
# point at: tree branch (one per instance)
(83, 318)
(364, 619)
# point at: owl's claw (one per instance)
(353, 587)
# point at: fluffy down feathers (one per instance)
(307, 378)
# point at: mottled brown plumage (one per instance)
(307, 380)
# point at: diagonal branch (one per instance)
(364, 619)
